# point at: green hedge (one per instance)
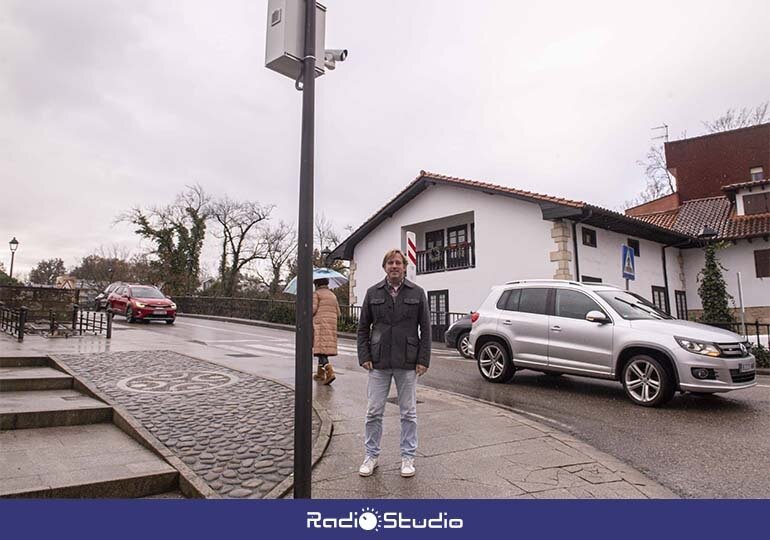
(762, 354)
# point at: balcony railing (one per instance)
(441, 259)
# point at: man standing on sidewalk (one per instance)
(390, 347)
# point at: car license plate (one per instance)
(159, 312)
(746, 366)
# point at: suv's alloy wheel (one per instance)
(647, 382)
(463, 345)
(494, 363)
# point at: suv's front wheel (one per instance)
(647, 382)
(495, 363)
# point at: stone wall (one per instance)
(753, 314)
(41, 301)
(562, 256)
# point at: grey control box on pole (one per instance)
(286, 37)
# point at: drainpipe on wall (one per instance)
(665, 279)
(575, 249)
(575, 243)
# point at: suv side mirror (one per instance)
(597, 317)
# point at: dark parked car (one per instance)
(100, 302)
(457, 336)
(142, 303)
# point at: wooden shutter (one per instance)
(762, 262)
(755, 204)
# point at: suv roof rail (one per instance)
(545, 281)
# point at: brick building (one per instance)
(723, 183)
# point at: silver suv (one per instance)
(602, 331)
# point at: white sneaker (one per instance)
(407, 467)
(368, 466)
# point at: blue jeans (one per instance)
(377, 395)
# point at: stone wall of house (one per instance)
(753, 314)
(562, 256)
(353, 300)
(41, 301)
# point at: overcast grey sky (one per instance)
(109, 104)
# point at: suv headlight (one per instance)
(173, 305)
(140, 304)
(699, 347)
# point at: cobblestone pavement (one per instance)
(233, 429)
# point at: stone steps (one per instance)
(80, 462)
(58, 442)
(17, 379)
(50, 408)
(25, 361)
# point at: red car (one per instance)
(142, 303)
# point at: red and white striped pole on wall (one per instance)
(411, 255)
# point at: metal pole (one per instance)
(303, 364)
(740, 301)
(10, 275)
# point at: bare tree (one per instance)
(325, 234)
(659, 181)
(243, 240)
(281, 246)
(735, 119)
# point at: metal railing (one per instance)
(443, 258)
(91, 322)
(13, 321)
(284, 311)
(756, 331)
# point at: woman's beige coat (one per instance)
(325, 313)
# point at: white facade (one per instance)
(734, 258)
(512, 241)
(604, 262)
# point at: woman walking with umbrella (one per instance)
(326, 309)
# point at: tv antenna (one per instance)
(664, 136)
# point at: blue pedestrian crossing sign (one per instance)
(627, 263)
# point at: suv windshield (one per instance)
(631, 306)
(146, 292)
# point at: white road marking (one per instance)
(440, 353)
(217, 328)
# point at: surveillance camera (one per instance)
(332, 56)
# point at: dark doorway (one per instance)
(438, 304)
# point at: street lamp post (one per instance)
(14, 244)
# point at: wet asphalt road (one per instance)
(699, 447)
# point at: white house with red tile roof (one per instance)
(473, 235)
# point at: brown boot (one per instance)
(329, 374)
(320, 374)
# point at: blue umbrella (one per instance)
(335, 279)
